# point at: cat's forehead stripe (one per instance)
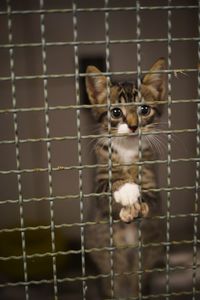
(122, 96)
(127, 92)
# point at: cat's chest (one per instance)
(126, 156)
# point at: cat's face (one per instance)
(125, 115)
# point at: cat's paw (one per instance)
(129, 213)
(127, 194)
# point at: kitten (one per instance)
(124, 122)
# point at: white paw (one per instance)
(128, 194)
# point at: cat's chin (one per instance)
(130, 142)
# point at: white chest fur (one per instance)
(128, 153)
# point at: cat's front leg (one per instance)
(128, 195)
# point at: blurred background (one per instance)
(23, 30)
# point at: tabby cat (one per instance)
(133, 111)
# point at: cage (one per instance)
(47, 162)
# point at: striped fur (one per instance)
(124, 124)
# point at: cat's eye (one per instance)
(116, 113)
(144, 110)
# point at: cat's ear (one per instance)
(96, 85)
(155, 80)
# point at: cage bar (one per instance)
(17, 152)
(76, 60)
(48, 145)
(110, 164)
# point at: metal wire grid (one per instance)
(107, 39)
(169, 49)
(80, 167)
(138, 34)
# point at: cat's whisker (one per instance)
(159, 144)
(156, 145)
(101, 142)
(162, 139)
(93, 139)
(174, 139)
(92, 148)
(152, 146)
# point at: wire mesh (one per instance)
(61, 193)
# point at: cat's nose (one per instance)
(133, 128)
